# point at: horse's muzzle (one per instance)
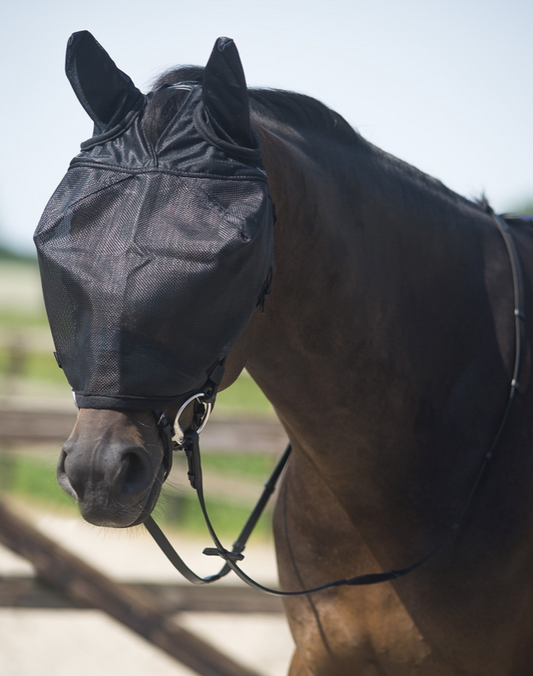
(114, 483)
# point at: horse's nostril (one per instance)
(136, 472)
(64, 481)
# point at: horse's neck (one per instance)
(381, 312)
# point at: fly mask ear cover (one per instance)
(153, 257)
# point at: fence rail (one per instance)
(54, 426)
(32, 592)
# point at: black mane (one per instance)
(296, 110)
(286, 108)
(299, 110)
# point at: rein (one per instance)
(189, 443)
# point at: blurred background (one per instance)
(444, 86)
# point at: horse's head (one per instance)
(154, 251)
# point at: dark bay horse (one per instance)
(387, 350)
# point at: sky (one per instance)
(444, 85)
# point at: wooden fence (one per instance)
(65, 581)
(22, 424)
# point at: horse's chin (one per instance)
(148, 507)
(120, 515)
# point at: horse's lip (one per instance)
(151, 500)
(62, 479)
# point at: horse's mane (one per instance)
(286, 108)
(300, 111)
(295, 110)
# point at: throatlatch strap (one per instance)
(192, 449)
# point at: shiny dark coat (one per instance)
(387, 351)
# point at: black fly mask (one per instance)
(153, 255)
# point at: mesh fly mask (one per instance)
(153, 256)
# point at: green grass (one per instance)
(179, 505)
(8, 254)
(183, 511)
(35, 366)
(21, 319)
(33, 479)
(244, 396)
(254, 466)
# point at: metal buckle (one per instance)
(200, 396)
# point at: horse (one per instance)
(386, 349)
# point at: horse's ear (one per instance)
(106, 93)
(226, 96)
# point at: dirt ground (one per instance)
(87, 642)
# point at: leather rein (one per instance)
(189, 443)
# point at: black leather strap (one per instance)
(195, 477)
(166, 432)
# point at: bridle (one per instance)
(189, 443)
(167, 431)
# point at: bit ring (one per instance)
(203, 421)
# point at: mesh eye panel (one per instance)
(150, 273)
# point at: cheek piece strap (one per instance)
(166, 432)
(204, 402)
